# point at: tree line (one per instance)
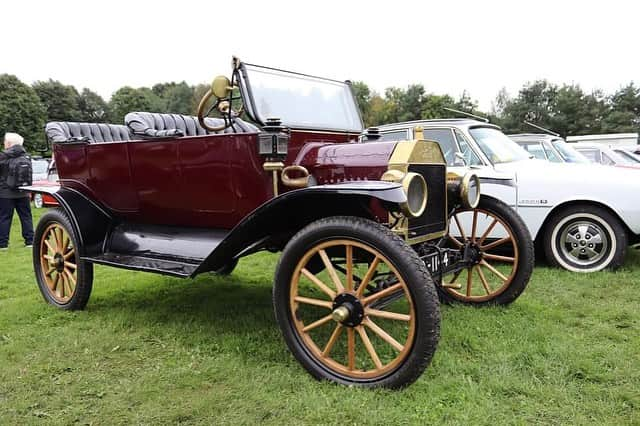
(566, 109)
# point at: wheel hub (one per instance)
(347, 310)
(58, 262)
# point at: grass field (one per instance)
(157, 350)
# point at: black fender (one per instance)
(274, 222)
(90, 222)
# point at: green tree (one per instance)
(92, 107)
(535, 103)
(433, 106)
(21, 111)
(127, 99)
(363, 94)
(61, 101)
(174, 97)
(624, 115)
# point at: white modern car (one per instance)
(602, 154)
(549, 147)
(582, 216)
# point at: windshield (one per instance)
(629, 156)
(39, 167)
(568, 152)
(300, 101)
(497, 146)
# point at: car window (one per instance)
(470, 157)
(591, 154)
(630, 157)
(607, 160)
(398, 135)
(551, 155)
(39, 166)
(535, 149)
(445, 139)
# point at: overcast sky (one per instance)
(448, 46)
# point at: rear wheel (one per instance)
(501, 255)
(585, 239)
(64, 280)
(355, 304)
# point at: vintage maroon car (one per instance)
(359, 225)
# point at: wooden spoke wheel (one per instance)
(499, 255)
(352, 309)
(64, 280)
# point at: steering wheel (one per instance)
(222, 91)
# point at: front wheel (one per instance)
(356, 304)
(65, 280)
(500, 255)
(585, 239)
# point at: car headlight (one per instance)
(470, 190)
(415, 188)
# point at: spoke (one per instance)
(386, 292)
(591, 252)
(596, 239)
(571, 239)
(65, 241)
(68, 291)
(383, 335)
(50, 271)
(488, 231)
(71, 265)
(315, 302)
(69, 254)
(495, 244)
(583, 230)
(49, 258)
(349, 274)
(351, 348)
(494, 270)
(386, 314)
(575, 252)
(462, 234)
(318, 323)
(60, 287)
(70, 277)
(469, 281)
(325, 288)
(54, 284)
(455, 276)
(368, 276)
(331, 270)
(367, 344)
(51, 248)
(57, 232)
(455, 241)
(485, 284)
(332, 340)
(474, 226)
(499, 258)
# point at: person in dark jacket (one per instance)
(11, 199)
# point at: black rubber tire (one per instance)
(610, 224)
(228, 268)
(84, 282)
(408, 264)
(526, 259)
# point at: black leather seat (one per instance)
(156, 125)
(63, 131)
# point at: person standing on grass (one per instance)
(14, 164)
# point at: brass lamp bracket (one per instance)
(274, 167)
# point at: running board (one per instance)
(182, 268)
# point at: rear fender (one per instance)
(273, 223)
(91, 222)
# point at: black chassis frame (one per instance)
(187, 252)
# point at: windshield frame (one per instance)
(242, 77)
(562, 143)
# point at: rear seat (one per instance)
(156, 125)
(63, 131)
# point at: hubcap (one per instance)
(584, 242)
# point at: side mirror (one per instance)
(460, 160)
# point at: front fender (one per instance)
(90, 221)
(271, 224)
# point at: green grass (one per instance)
(157, 350)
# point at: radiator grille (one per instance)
(434, 219)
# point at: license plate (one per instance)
(433, 262)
